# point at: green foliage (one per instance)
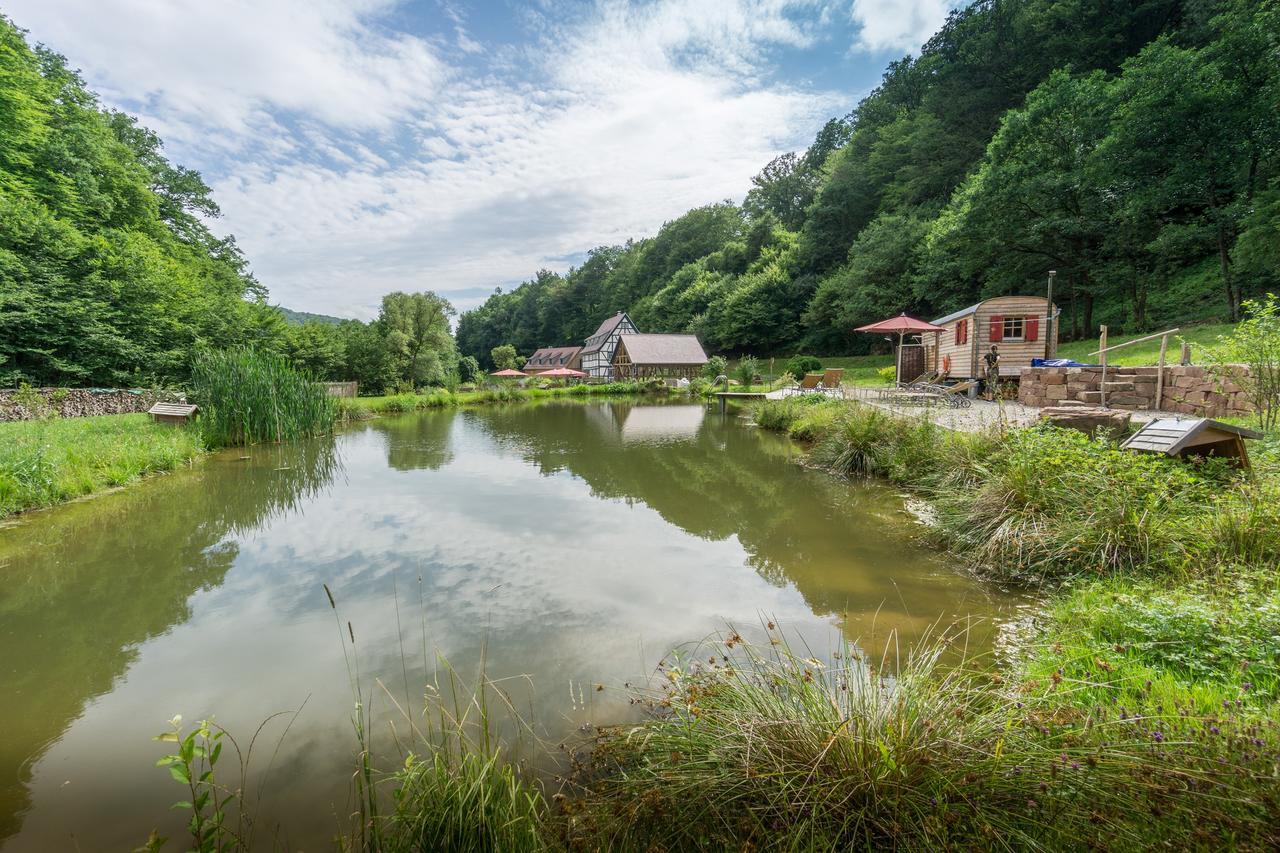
(108, 274)
(46, 462)
(746, 370)
(761, 747)
(1254, 343)
(717, 365)
(1045, 505)
(248, 396)
(887, 375)
(504, 357)
(417, 335)
(799, 365)
(193, 766)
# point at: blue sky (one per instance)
(362, 146)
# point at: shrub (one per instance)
(717, 365)
(799, 365)
(247, 396)
(887, 374)
(1255, 343)
(746, 370)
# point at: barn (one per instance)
(664, 356)
(1017, 324)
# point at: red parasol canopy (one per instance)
(562, 371)
(507, 372)
(902, 325)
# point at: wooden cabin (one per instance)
(598, 350)
(1192, 437)
(658, 356)
(1017, 324)
(549, 358)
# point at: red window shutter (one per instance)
(1031, 329)
(997, 329)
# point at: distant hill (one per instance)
(297, 318)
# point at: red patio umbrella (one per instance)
(903, 325)
(508, 372)
(562, 373)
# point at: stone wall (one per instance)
(79, 402)
(1188, 389)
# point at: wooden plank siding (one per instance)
(967, 347)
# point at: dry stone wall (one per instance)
(1188, 388)
(22, 405)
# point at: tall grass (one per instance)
(247, 396)
(1045, 504)
(762, 748)
(366, 407)
(49, 461)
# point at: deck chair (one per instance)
(831, 381)
(807, 384)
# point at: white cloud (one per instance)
(350, 161)
(898, 25)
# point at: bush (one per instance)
(887, 374)
(247, 396)
(746, 370)
(717, 365)
(799, 365)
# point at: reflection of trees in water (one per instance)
(82, 586)
(843, 545)
(418, 441)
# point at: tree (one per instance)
(504, 357)
(417, 332)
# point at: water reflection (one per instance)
(575, 542)
(85, 585)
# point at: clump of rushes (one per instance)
(761, 748)
(1043, 504)
(247, 396)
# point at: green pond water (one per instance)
(570, 544)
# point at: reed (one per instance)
(248, 396)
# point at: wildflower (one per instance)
(1159, 736)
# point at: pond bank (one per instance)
(50, 461)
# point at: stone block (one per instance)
(1056, 392)
(1087, 420)
(1089, 397)
(1054, 379)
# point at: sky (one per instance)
(358, 147)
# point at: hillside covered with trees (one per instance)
(1132, 146)
(110, 276)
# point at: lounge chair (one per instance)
(807, 384)
(831, 381)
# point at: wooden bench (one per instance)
(172, 413)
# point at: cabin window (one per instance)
(962, 332)
(1014, 329)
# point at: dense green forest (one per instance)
(1131, 145)
(110, 276)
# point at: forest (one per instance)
(111, 276)
(1130, 145)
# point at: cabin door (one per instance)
(912, 365)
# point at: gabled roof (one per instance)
(664, 349)
(551, 357)
(597, 339)
(1170, 435)
(956, 315)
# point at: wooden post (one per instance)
(1164, 345)
(1102, 351)
(1186, 353)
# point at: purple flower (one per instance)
(1159, 736)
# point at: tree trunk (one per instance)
(1087, 299)
(1224, 254)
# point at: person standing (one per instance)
(992, 369)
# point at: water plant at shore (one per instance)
(45, 462)
(1043, 504)
(247, 396)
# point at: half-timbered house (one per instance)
(597, 351)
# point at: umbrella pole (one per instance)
(897, 368)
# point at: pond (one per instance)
(570, 545)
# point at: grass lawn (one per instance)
(46, 462)
(1147, 352)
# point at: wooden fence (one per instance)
(341, 389)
